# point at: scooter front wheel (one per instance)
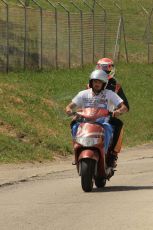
(87, 173)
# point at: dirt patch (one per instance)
(16, 100)
(48, 102)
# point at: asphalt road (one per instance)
(55, 200)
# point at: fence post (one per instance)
(7, 35)
(118, 38)
(56, 42)
(149, 33)
(41, 37)
(69, 34)
(81, 28)
(93, 31)
(25, 31)
(122, 26)
(95, 2)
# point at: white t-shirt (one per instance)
(107, 99)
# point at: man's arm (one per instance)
(120, 110)
(70, 107)
(121, 94)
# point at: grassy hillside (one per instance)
(33, 124)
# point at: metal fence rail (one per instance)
(34, 38)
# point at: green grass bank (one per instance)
(34, 126)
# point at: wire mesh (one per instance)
(16, 37)
(49, 40)
(33, 38)
(135, 29)
(3, 38)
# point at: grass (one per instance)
(138, 82)
(34, 126)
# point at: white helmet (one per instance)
(98, 75)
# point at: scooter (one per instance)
(91, 160)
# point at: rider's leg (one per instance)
(118, 133)
(108, 135)
(117, 140)
(74, 126)
(118, 145)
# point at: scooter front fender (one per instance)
(88, 153)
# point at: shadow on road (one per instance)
(122, 188)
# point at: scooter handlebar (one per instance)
(72, 114)
(77, 114)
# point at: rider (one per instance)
(107, 65)
(98, 96)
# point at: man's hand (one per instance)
(69, 111)
(116, 113)
(69, 108)
(122, 109)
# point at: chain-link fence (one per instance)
(44, 39)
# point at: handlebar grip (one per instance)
(72, 114)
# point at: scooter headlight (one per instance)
(87, 141)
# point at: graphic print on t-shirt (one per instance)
(97, 101)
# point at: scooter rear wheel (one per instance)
(87, 173)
